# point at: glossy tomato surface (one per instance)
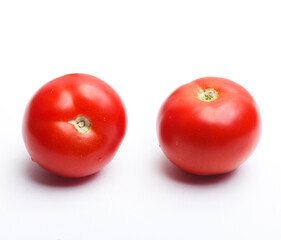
(74, 125)
(209, 126)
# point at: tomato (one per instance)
(209, 126)
(74, 125)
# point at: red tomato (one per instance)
(209, 126)
(74, 125)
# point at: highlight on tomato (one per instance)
(74, 125)
(209, 126)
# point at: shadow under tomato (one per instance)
(39, 175)
(176, 174)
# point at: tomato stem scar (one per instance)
(208, 95)
(82, 124)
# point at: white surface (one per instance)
(144, 49)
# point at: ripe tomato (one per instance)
(209, 126)
(74, 125)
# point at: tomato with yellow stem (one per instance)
(209, 126)
(74, 125)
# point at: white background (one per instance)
(144, 49)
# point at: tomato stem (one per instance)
(208, 95)
(82, 124)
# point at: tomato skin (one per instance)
(209, 138)
(57, 145)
